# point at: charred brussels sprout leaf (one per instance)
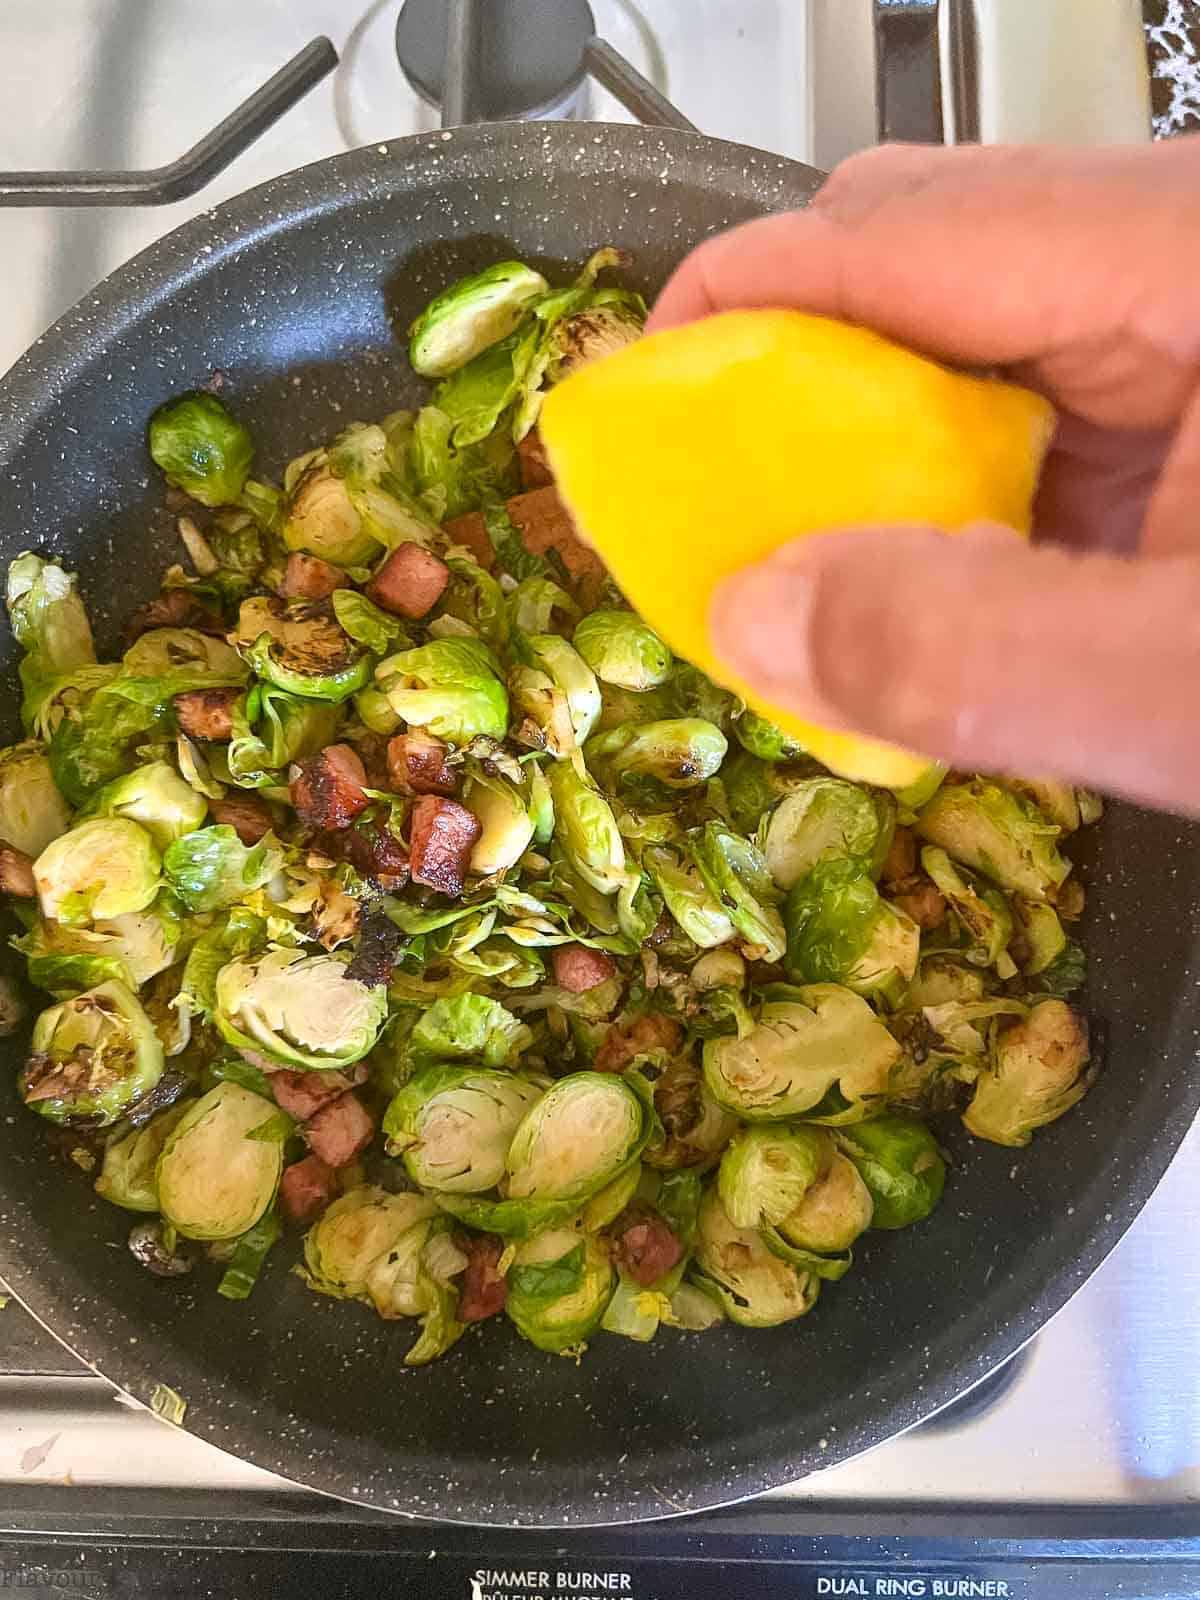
(98, 869)
(623, 650)
(983, 913)
(1037, 1071)
(471, 315)
(824, 819)
(453, 1126)
(301, 1011)
(752, 1285)
(897, 1158)
(200, 448)
(302, 649)
(133, 947)
(693, 1128)
(998, 834)
(450, 687)
(559, 1287)
(215, 1179)
(840, 930)
(91, 1057)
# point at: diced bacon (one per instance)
(644, 1246)
(535, 469)
(577, 968)
(470, 530)
(442, 835)
(638, 1037)
(16, 872)
(372, 752)
(206, 713)
(374, 852)
(921, 899)
(305, 1189)
(901, 859)
(302, 1094)
(410, 582)
(417, 765)
(328, 790)
(545, 524)
(340, 1131)
(483, 1290)
(248, 816)
(310, 578)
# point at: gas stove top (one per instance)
(1100, 1418)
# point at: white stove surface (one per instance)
(1107, 1410)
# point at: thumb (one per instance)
(983, 652)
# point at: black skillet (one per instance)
(294, 292)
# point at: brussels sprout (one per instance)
(302, 1011)
(737, 875)
(215, 1176)
(356, 1234)
(694, 1128)
(450, 480)
(51, 626)
(474, 398)
(91, 1057)
(128, 1176)
(942, 979)
(301, 648)
(475, 598)
(469, 1026)
(897, 1158)
(453, 1126)
(413, 1280)
(572, 678)
(799, 1049)
(165, 650)
(586, 827)
(834, 1211)
(539, 605)
(32, 811)
(600, 329)
(502, 811)
(826, 819)
(134, 947)
(559, 1286)
(343, 503)
(1066, 973)
(840, 930)
(212, 868)
(1041, 937)
(542, 717)
(922, 789)
(753, 1286)
(719, 969)
(682, 753)
(752, 787)
(449, 687)
(1036, 1073)
(607, 1204)
(375, 711)
(154, 796)
(98, 869)
(763, 739)
(201, 449)
(366, 624)
(471, 315)
(998, 834)
(623, 650)
(1057, 801)
(983, 914)
(583, 1131)
(271, 729)
(696, 695)
(687, 897)
(767, 1170)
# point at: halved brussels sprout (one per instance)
(301, 648)
(1037, 1071)
(737, 874)
(1057, 801)
(453, 1126)
(128, 1176)
(983, 914)
(834, 1211)
(599, 329)
(763, 739)
(754, 1287)
(201, 449)
(797, 1051)
(585, 1129)
(767, 1170)
(469, 316)
(303, 1011)
(841, 930)
(502, 811)
(719, 969)
(942, 978)
(51, 626)
(687, 897)
(215, 1177)
(164, 650)
(344, 504)
(449, 686)
(212, 868)
(134, 947)
(623, 650)
(91, 1057)
(681, 753)
(154, 796)
(695, 1129)
(825, 819)
(752, 787)
(998, 834)
(897, 1158)
(572, 679)
(559, 1286)
(586, 827)
(98, 869)
(355, 1234)
(1042, 937)
(32, 811)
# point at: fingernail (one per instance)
(761, 621)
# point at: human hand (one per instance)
(1077, 272)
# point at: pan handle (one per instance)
(635, 91)
(178, 179)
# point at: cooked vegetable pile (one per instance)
(398, 885)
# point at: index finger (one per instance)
(1076, 265)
